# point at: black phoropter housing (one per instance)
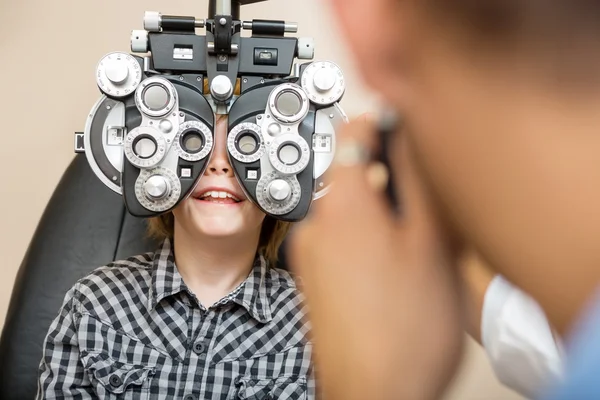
(219, 72)
(267, 54)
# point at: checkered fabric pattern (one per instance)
(133, 330)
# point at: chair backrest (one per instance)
(84, 226)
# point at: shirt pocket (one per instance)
(289, 388)
(112, 379)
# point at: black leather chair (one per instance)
(84, 226)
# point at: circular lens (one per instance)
(247, 143)
(156, 97)
(289, 154)
(144, 147)
(192, 141)
(288, 103)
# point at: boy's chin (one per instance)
(220, 228)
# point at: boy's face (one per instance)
(218, 207)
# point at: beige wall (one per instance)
(48, 53)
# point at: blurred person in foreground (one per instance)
(500, 149)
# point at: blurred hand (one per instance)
(383, 292)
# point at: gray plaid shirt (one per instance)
(133, 330)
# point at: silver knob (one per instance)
(165, 126)
(324, 80)
(221, 88)
(306, 48)
(279, 190)
(139, 41)
(116, 71)
(274, 129)
(156, 187)
(152, 21)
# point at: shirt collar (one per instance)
(250, 294)
(166, 280)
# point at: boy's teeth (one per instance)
(219, 195)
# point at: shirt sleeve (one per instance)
(525, 354)
(581, 378)
(61, 374)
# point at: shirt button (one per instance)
(189, 397)
(115, 381)
(199, 347)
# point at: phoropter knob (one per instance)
(221, 88)
(156, 187)
(279, 190)
(139, 41)
(118, 74)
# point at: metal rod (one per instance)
(224, 7)
(291, 27)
